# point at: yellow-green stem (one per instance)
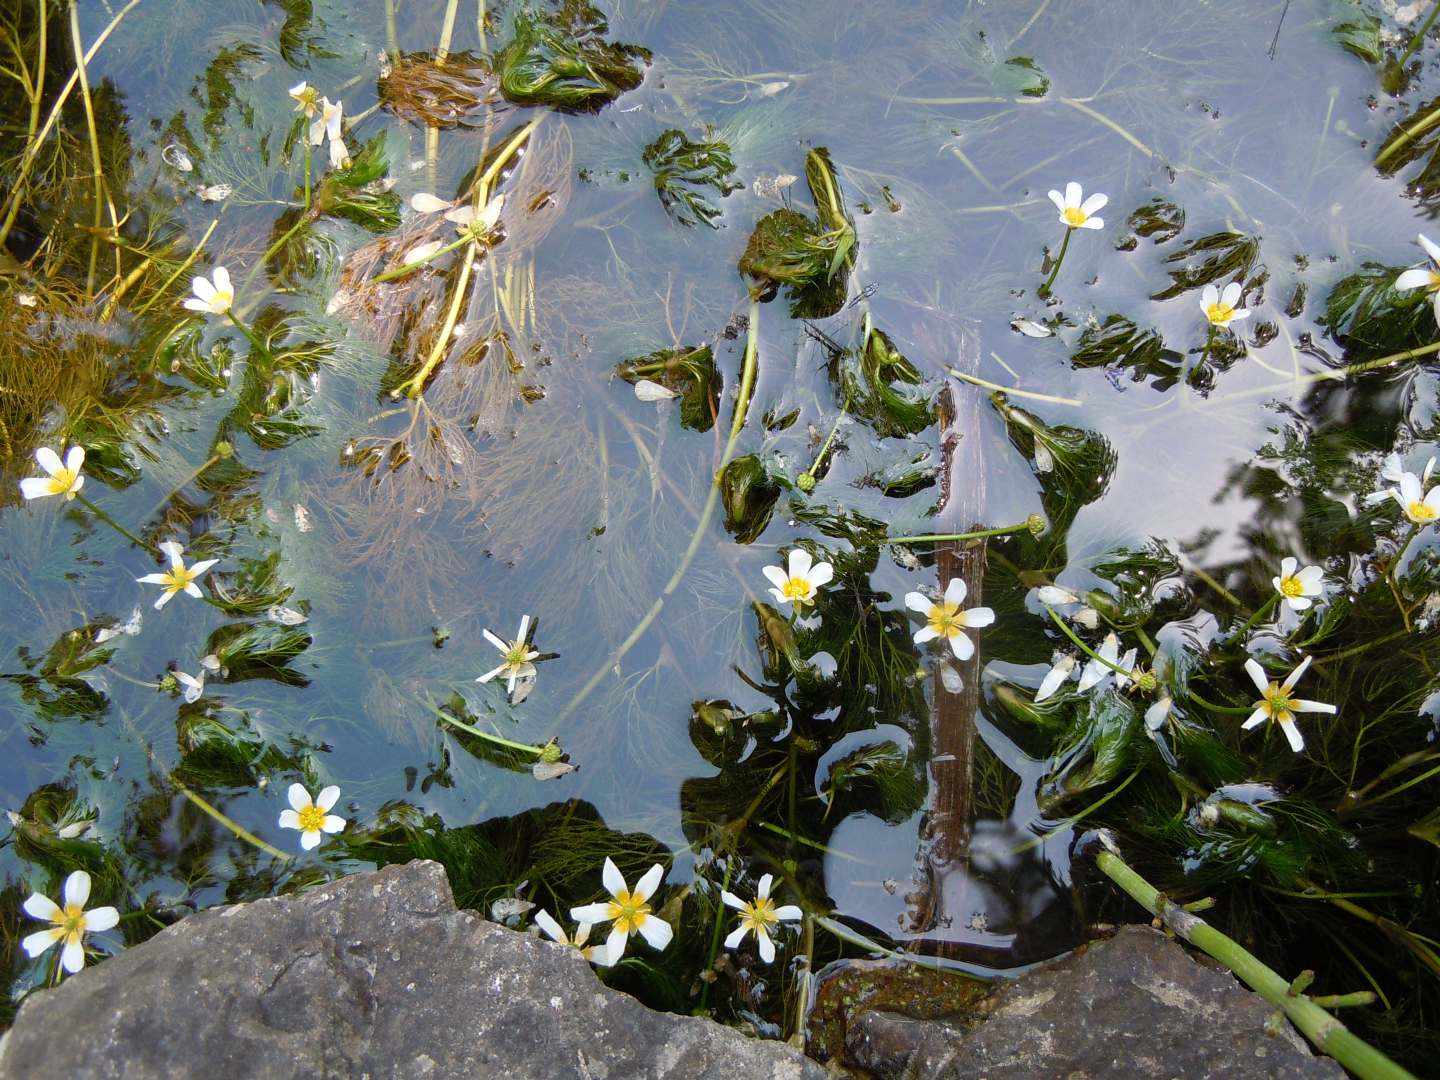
(1059, 259)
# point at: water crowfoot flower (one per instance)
(629, 912)
(71, 922)
(307, 99)
(327, 125)
(759, 916)
(213, 295)
(63, 477)
(193, 687)
(1424, 277)
(519, 657)
(1296, 589)
(179, 578)
(1096, 672)
(1220, 307)
(1420, 506)
(800, 584)
(946, 619)
(311, 818)
(1061, 670)
(1394, 471)
(1278, 704)
(1075, 214)
(596, 954)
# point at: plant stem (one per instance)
(255, 341)
(103, 516)
(1059, 259)
(824, 449)
(304, 138)
(189, 259)
(1052, 399)
(405, 268)
(99, 173)
(1086, 648)
(742, 406)
(1258, 614)
(1328, 1035)
(980, 534)
(499, 740)
(1419, 37)
(715, 936)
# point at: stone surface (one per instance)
(1135, 1005)
(375, 975)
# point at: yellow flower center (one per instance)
(759, 914)
(71, 921)
(1277, 703)
(177, 578)
(1419, 510)
(1220, 314)
(797, 589)
(946, 619)
(311, 818)
(1434, 285)
(628, 911)
(517, 654)
(1290, 586)
(60, 482)
(1074, 216)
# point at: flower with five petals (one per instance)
(1420, 506)
(64, 477)
(519, 657)
(1297, 588)
(312, 818)
(1075, 214)
(213, 295)
(802, 582)
(179, 578)
(628, 912)
(71, 922)
(944, 618)
(1220, 307)
(1278, 703)
(760, 917)
(1424, 277)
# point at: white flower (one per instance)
(1220, 307)
(1060, 671)
(1055, 596)
(649, 390)
(1075, 214)
(629, 912)
(311, 818)
(64, 477)
(193, 687)
(519, 663)
(760, 916)
(1420, 506)
(945, 618)
(327, 125)
(179, 578)
(1296, 589)
(72, 922)
(307, 99)
(213, 295)
(1158, 713)
(1394, 471)
(804, 579)
(1276, 702)
(1426, 277)
(422, 202)
(467, 222)
(596, 954)
(1095, 672)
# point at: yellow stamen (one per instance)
(1220, 314)
(758, 914)
(1074, 216)
(61, 480)
(797, 589)
(628, 911)
(946, 619)
(178, 578)
(1419, 510)
(1290, 586)
(311, 818)
(1277, 703)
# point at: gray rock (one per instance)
(1135, 1005)
(376, 975)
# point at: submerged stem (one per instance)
(979, 534)
(1328, 1035)
(103, 516)
(1059, 259)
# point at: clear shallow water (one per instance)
(540, 485)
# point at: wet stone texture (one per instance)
(1135, 1005)
(375, 975)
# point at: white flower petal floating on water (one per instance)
(800, 580)
(596, 954)
(1277, 703)
(130, 627)
(311, 817)
(1420, 506)
(1060, 672)
(1297, 587)
(62, 477)
(628, 911)
(1055, 596)
(519, 662)
(422, 202)
(1424, 277)
(71, 922)
(194, 687)
(179, 578)
(1078, 214)
(759, 917)
(944, 618)
(1220, 308)
(1158, 713)
(213, 295)
(1096, 673)
(175, 156)
(647, 390)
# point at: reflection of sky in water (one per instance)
(1235, 146)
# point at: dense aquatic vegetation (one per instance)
(855, 559)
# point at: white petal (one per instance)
(35, 487)
(36, 943)
(202, 566)
(919, 602)
(591, 913)
(204, 290)
(776, 576)
(646, 886)
(1301, 705)
(1155, 715)
(495, 640)
(191, 589)
(1292, 733)
(1058, 200)
(1054, 679)
(1209, 297)
(77, 889)
(647, 390)
(1431, 248)
(612, 879)
(422, 202)
(1410, 490)
(1231, 296)
(164, 599)
(1073, 194)
(328, 797)
(924, 634)
(1093, 223)
(1294, 676)
(1094, 204)
(1054, 594)
(955, 591)
(1239, 313)
(767, 947)
(461, 216)
(1298, 603)
(656, 931)
(41, 907)
(977, 617)
(421, 252)
(48, 460)
(491, 213)
(1256, 718)
(551, 928)
(333, 823)
(1257, 675)
(492, 673)
(762, 889)
(523, 634)
(101, 919)
(789, 913)
(729, 899)
(1288, 565)
(72, 957)
(298, 797)
(289, 819)
(310, 839)
(963, 647)
(1311, 577)
(222, 279)
(732, 939)
(800, 562)
(821, 574)
(75, 458)
(615, 944)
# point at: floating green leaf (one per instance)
(680, 166)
